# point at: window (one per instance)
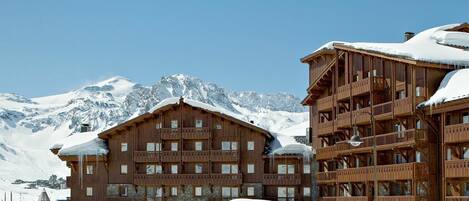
(174, 169)
(89, 169)
(123, 169)
(234, 169)
(199, 123)
(229, 168)
(418, 125)
(198, 146)
(174, 191)
(174, 146)
(250, 168)
(157, 146)
(418, 157)
(124, 147)
(218, 126)
(250, 145)
(150, 146)
(291, 169)
(198, 168)
(174, 123)
(234, 145)
(418, 91)
(151, 169)
(465, 153)
(228, 192)
(465, 118)
(89, 191)
(123, 191)
(198, 191)
(281, 192)
(285, 169)
(159, 192)
(158, 125)
(250, 191)
(306, 169)
(158, 169)
(225, 145)
(449, 155)
(306, 191)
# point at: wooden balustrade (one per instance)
(383, 110)
(226, 179)
(282, 179)
(343, 92)
(188, 156)
(397, 198)
(221, 155)
(324, 153)
(195, 156)
(325, 177)
(170, 133)
(171, 179)
(343, 120)
(327, 199)
(456, 133)
(457, 168)
(196, 133)
(361, 86)
(403, 106)
(383, 172)
(353, 198)
(379, 83)
(325, 128)
(325, 103)
(146, 156)
(456, 198)
(362, 116)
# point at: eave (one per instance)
(459, 104)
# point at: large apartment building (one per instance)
(371, 91)
(185, 150)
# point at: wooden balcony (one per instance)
(362, 116)
(397, 198)
(186, 179)
(343, 120)
(282, 179)
(456, 133)
(170, 133)
(324, 153)
(327, 198)
(392, 172)
(383, 111)
(457, 168)
(361, 86)
(195, 133)
(221, 156)
(157, 156)
(326, 177)
(325, 103)
(226, 179)
(325, 128)
(195, 156)
(385, 141)
(403, 107)
(456, 198)
(343, 92)
(353, 198)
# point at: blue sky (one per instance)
(51, 46)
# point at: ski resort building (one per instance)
(185, 150)
(386, 122)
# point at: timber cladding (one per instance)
(179, 151)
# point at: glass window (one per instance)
(291, 169)
(218, 126)
(174, 169)
(465, 118)
(282, 169)
(158, 169)
(174, 146)
(124, 147)
(174, 191)
(234, 169)
(225, 169)
(198, 168)
(199, 123)
(250, 168)
(124, 191)
(306, 191)
(226, 192)
(465, 153)
(281, 192)
(151, 169)
(198, 146)
(159, 192)
(291, 192)
(251, 145)
(198, 191)
(250, 191)
(234, 145)
(150, 146)
(89, 191)
(225, 145)
(158, 125)
(123, 169)
(418, 156)
(89, 169)
(418, 125)
(234, 192)
(306, 169)
(448, 154)
(157, 146)
(174, 123)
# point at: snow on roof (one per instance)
(284, 144)
(86, 143)
(430, 45)
(454, 86)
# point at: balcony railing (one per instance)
(327, 198)
(343, 120)
(325, 103)
(195, 156)
(361, 86)
(226, 179)
(170, 133)
(457, 168)
(325, 177)
(397, 198)
(187, 156)
(383, 172)
(185, 179)
(383, 110)
(220, 155)
(325, 127)
(457, 198)
(362, 116)
(282, 179)
(343, 92)
(403, 106)
(196, 133)
(353, 198)
(457, 133)
(324, 153)
(157, 156)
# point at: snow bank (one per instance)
(454, 86)
(81, 144)
(430, 45)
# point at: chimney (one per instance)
(408, 35)
(252, 122)
(85, 128)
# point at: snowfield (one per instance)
(30, 126)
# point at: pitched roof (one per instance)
(453, 87)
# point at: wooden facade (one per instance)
(179, 150)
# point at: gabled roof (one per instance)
(175, 101)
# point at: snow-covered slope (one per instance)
(28, 126)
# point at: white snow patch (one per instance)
(81, 144)
(454, 86)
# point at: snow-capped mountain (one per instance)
(28, 126)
